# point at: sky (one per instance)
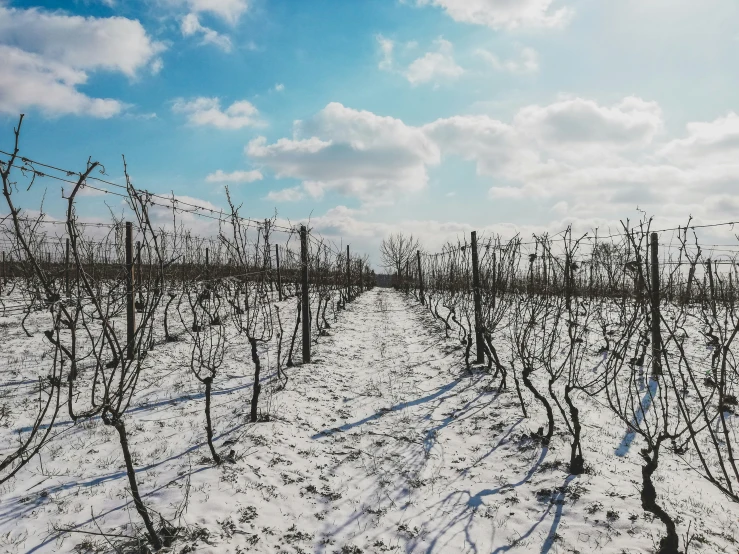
(430, 117)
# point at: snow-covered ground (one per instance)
(384, 443)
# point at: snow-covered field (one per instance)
(384, 443)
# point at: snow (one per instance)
(384, 443)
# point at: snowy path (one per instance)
(385, 443)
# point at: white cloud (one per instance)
(581, 156)
(234, 177)
(437, 66)
(505, 14)
(722, 205)
(572, 146)
(528, 61)
(495, 146)
(585, 163)
(716, 141)
(561, 208)
(506, 192)
(87, 43)
(279, 87)
(191, 26)
(598, 159)
(146, 116)
(631, 122)
(543, 151)
(434, 66)
(207, 111)
(258, 148)
(386, 49)
(292, 194)
(28, 80)
(156, 66)
(355, 153)
(229, 11)
(45, 56)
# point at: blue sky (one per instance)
(432, 117)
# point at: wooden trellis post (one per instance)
(348, 276)
(304, 292)
(139, 273)
(568, 280)
(420, 278)
(405, 283)
(656, 337)
(731, 288)
(532, 257)
(130, 311)
(478, 301)
(590, 278)
(279, 275)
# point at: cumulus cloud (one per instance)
(528, 61)
(588, 164)
(156, 66)
(505, 14)
(386, 49)
(85, 43)
(631, 122)
(45, 56)
(292, 194)
(490, 142)
(204, 111)
(574, 153)
(234, 177)
(572, 146)
(229, 11)
(356, 153)
(434, 66)
(29, 80)
(715, 141)
(191, 26)
(597, 157)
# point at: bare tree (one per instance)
(84, 327)
(397, 250)
(250, 300)
(208, 335)
(44, 288)
(497, 269)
